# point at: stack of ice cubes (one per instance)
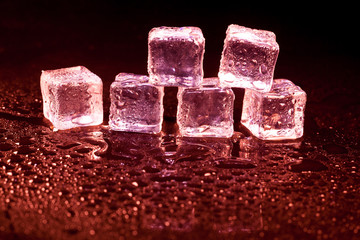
(272, 109)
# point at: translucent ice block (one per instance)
(206, 111)
(175, 56)
(276, 115)
(72, 97)
(248, 58)
(136, 105)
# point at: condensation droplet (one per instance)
(263, 69)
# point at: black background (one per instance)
(318, 41)
(111, 36)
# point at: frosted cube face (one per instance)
(175, 56)
(276, 115)
(206, 111)
(72, 97)
(136, 105)
(248, 58)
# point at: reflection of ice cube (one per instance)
(72, 97)
(213, 147)
(248, 58)
(276, 115)
(134, 146)
(206, 111)
(136, 105)
(175, 56)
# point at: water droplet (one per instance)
(263, 69)
(48, 152)
(6, 146)
(234, 162)
(151, 169)
(68, 145)
(27, 140)
(130, 93)
(16, 158)
(333, 148)
(26, 150)
(308, 165)
(84, 150)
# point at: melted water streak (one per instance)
(93, 183)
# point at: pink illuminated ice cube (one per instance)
(276, 115)
(248, 58)
(136, 104)
(72, 97)
(206, 111)
(175, 56)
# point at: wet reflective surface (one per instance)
(95, 183)
(91, 183)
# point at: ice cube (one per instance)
(72, 97)
(136, 104)
(175, 56)
(276, 115)
(206, 111)
(248, 58)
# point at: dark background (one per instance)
(111, 36)
(318, 42)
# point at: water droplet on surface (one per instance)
(84, 150)
(16, 158)
(151, 169)
(27, 140)
(6, 147)
(68, 145)
(263, 69)
(26, 150)
(308, 165)
(234, 163)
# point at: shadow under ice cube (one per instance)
(136, 105)
(248, 58)
(276, 115)
(206, 111)
(175, 56)
(72, 97)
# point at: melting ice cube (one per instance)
(72, 97)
